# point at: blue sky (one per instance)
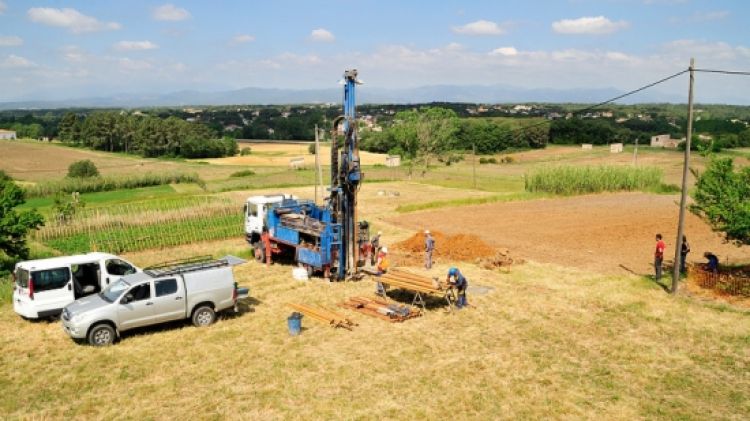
(72, 49)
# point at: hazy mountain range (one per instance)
(424, 94)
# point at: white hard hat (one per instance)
(426, 231)
(384, 249)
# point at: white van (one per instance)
(43, 287)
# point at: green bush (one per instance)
(311, 149)
(83, 169)
(243, 173)
(507, 159)
(490, 160)
(570, 180)
(246, 151)
(99, 184)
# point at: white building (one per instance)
(664, 141)
(7, 134)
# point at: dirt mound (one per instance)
(501, 260)
(465, 247)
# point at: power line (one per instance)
(592, 107)
(725, 72)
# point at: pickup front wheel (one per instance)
(204, 316)
(101, 335)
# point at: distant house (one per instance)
(7, 134)
(615, 147)
(664, 141)
(393, 160)
(587, 146)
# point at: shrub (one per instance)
(82, 169)
(507, 159)
(569, 180)
(311, 149)
(243, 173)
(490, 160)
(246, 151)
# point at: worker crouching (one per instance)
(458, 281)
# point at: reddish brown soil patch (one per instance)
(463, 247)
(610, 233)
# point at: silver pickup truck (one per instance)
(194, 289)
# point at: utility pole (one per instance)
(474, 163)
(635, 153)
(317, 163)
(683, 195)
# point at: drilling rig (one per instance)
(323, 238)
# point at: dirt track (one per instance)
(610, 233)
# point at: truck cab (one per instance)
(256, 208)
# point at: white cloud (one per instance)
(130, 65)
(135, 46)
(10, 41)
(321, 35)
(73, 54)
(700, 17)
(14, 61)
(480, 27)
(3, 7)
(588, 25)
(170, 12)
(242, 39)
(504, 51)
(71, 19)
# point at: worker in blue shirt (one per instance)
(460, 283)
(713, 262)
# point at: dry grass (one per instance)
(33, 161)
(279, 154)
(570, 345)
(545, 342)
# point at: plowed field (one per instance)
(609, 233)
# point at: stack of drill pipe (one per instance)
(377, 307)
(409, 281)
(323, 315)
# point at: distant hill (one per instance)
(424, 94)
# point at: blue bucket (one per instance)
(294, 322)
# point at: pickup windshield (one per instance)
(113, 291)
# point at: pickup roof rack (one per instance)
(191, 264)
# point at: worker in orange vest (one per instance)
(382, 267)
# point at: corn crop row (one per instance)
(570, 180)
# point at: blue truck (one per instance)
(326, 238)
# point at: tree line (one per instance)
(429, 132)
(144, 135)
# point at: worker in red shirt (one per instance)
(659, 256)
(265, 238)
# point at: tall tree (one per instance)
(14, 224)
(722, 198)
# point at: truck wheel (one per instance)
(101, 335)
(204, 316)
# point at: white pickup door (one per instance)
(136, 307)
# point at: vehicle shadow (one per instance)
(244, 306)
